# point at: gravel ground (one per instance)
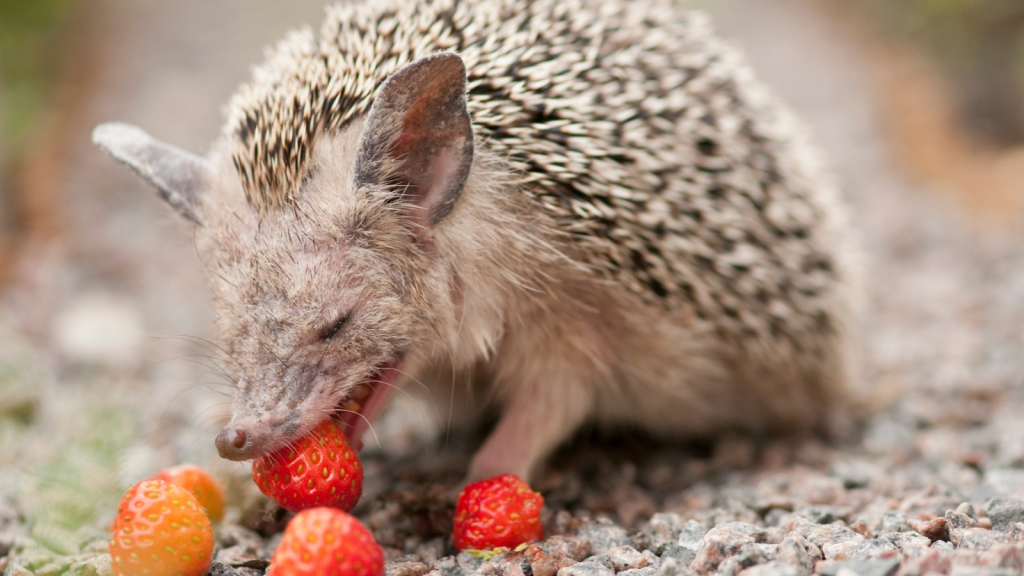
(931, 482)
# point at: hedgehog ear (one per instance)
(179, 176)
(418, 139)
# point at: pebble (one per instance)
(408, 568)
(684, 556)
(645, 571)
(1005, 511)
(957, 523)
(660, 531)
(934, 529)
(906, 540)
(873, 567)
(724, 541)
(798, 552)
(773, 568)
(603, 535)
(823, 534)
(218, 569)
(621, 558)
(670, 567)
(893, 521)
(586, 569)
(979, 539)
(691, 534)
(862, 550)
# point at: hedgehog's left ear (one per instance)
(179, 176)
(418, 140)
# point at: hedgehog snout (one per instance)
(234, 443)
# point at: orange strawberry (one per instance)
(320, 470)
(498, 512)
(161, 531)
(200, 483)
(327, 542)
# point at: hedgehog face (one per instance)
(321, 297)
(316, 308)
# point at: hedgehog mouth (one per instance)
(355, 412)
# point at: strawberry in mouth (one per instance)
(355, 412)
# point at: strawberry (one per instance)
(500, 512)
(200, 483)
(326, 542)
(161, 531)
(320, 470)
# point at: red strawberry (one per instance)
(498, 512)
(327, 542)
(161, 531)
(320, 470)
(200, 483)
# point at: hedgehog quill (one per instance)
(588, 207)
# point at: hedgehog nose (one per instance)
(234, 443)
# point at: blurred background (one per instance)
(917, 105)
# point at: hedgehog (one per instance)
(562, 212)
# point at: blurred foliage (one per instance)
(28, 52)
(60, 460)
(980, 43)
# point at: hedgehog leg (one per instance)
(533, 424)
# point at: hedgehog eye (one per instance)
(336, 327)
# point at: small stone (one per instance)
(956, 523)
(467, 561)
(934, 529)
(965, 570)
(660, 531)
(906, 540)
(1005, 511)
(822, 534)
(234, 535)
(724, 541)
(586, 569)
(242, 556)
(218, 569)
(645, 571)
(547, 558)
(862, 550)
(893, 521)
(968, 509)
(1017, 533)
(821, 514)
(861, 527)
(603, 535)
(979, 539)
(681, 554)
(874, 567)
(449, 567)
(773, 568)
(798, 552)
(943, 545)
(570, 546)
(652, 558)
(511, 563)
(691, 534)
(670, 567)
(407, 568)
(621, 558)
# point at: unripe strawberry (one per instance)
(161, 531)
(327, 542)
